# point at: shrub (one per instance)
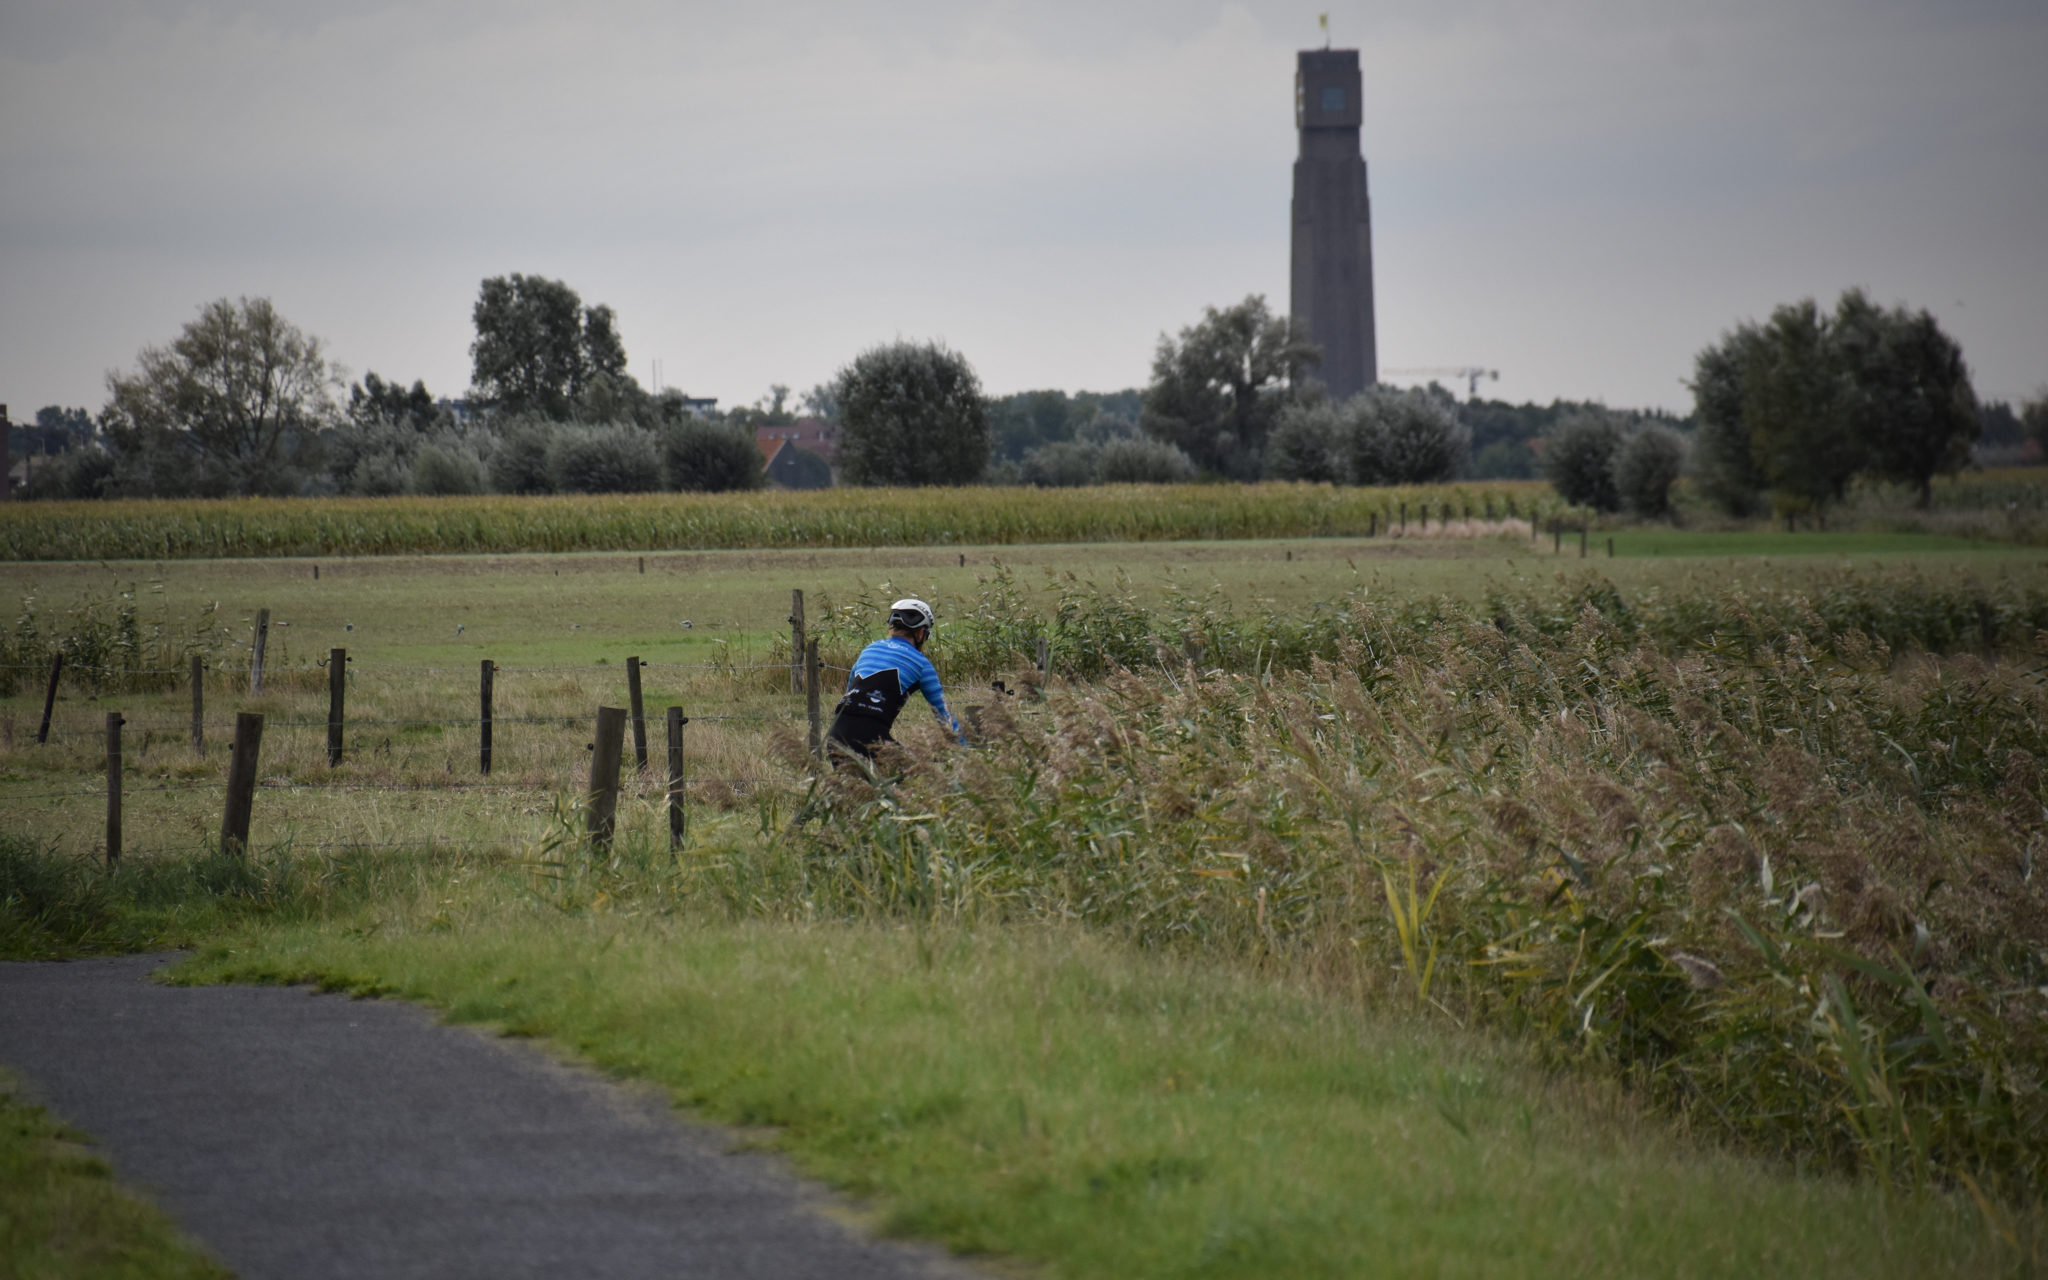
(1646, 465)
(79, 473)
(1578, 459)
(1309, 442)
(519, 462)
(699, 456)
(1404, 437)
(1135, 461)
(1064, 464)
(370, 459)
(443, 469)
(607, 458)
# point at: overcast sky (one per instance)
(1580, 194)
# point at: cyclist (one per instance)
(882, 680)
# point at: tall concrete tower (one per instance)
(1332, 280)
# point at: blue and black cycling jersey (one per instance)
(883, 678)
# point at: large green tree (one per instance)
(538, 348)
(1217, 390)
(233, 405)
(911, 414)
(1819, 397)
(1724, 464)
(1794, 402)
(1907, 393)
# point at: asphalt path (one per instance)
(303, 1136)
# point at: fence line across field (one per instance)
(411, 667)
(243, 781)
(807, 677)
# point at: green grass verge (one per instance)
(1051, 1096)
(1751, 543)
(62, 1216)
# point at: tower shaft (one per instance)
(1331, 283)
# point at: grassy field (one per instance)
(1399, 934)
(560, 629)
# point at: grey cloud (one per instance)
(752, 186)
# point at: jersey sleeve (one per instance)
(928, 685)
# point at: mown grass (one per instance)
(1055, 1097)
(63, 1217)
(227, 528)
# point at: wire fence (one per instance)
(591, 774)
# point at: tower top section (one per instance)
(1326, 85)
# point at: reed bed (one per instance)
(1780, 874)
(236, 528)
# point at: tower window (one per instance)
(1333, 97)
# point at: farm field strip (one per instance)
(213, 529)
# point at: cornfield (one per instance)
(256, 527)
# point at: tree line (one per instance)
(243, 402)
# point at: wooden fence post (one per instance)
(1582, 539)
(639, 714)
(1557, 537)
(485, 676)
(812, 679)
(1610, 548)
(256, 656)
(114, 723)
(1044, 656)
(796, 641)
(1372, 525)
(50, 699)
(643, 564)
(198, 705)
(604, 774)
(337, 685)
(1404, 517)
(234, 818)
(676, 818)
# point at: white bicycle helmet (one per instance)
(910, 613)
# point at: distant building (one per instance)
(798, 455)
(697, 406)
(788, 465)
(1331, 288)
(813, 434)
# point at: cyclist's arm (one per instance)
(928, 685)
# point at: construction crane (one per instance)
(1470, 373)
